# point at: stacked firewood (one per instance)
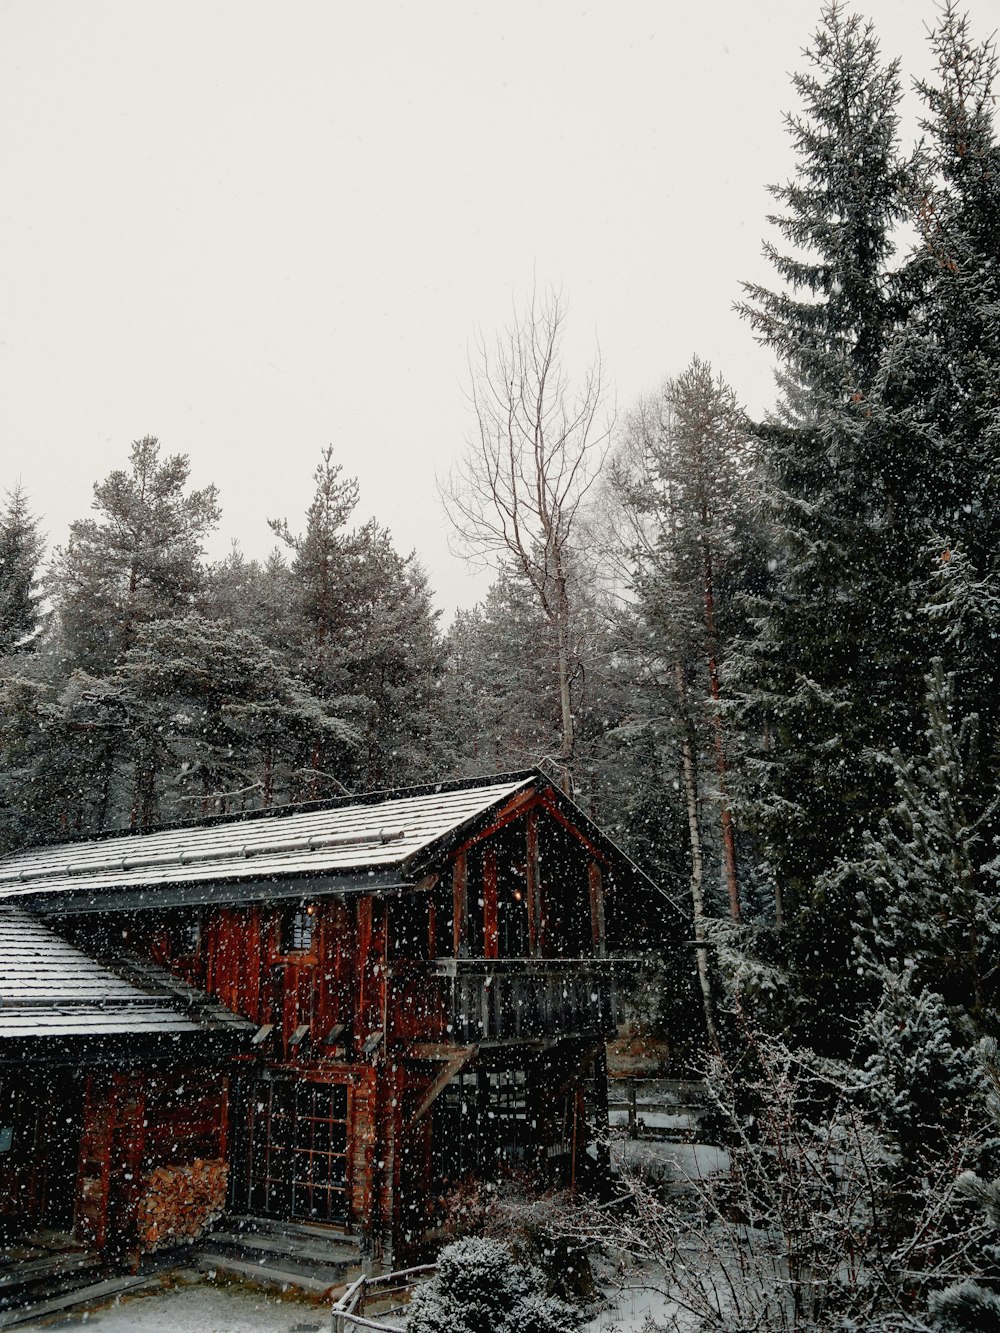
(180, 1202)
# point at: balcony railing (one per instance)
(524, 999)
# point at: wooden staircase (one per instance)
(288, 1254)
(47, 1272)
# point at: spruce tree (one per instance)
(364, 635)
(941, 383)
(823, 679)
(21, 547)
(928, 879)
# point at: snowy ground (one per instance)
(629, 1309)
(197, 1307)
(679, 1164)
(205, 1308)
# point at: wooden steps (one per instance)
(54, 1303)
(288, 1254)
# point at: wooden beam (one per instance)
(460, 900)
(491, 925)
(596, 884)
(430, 1050)
(531, 842)
(453, 1067)
(551, 808)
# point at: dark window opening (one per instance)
(483, 1124)
(185, 937)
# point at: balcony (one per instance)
(488, 1000)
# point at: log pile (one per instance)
(180, 1202)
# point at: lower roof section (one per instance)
(50, 989)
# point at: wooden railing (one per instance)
(517, 999)
(349, 1311)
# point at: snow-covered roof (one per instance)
(368, 835)
(49, 988)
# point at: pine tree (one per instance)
(137, 562)
(941, 382)
(825, 680)
(928, 881)
(365, 633)
(830, 321)
(499, 682)
(215, 721)
(683, 480)
(21, 547)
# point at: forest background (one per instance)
(761, 654)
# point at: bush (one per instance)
(480, 1288)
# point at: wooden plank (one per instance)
(551, 808)
(460, 905)
(596, 883)
(531, 842)
(453, 1067)
(491, 927)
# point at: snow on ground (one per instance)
(679, 1163)
(679, 1121)
(204, 1307)
(638, 1301)
(197, 1307)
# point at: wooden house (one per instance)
(348, 1006)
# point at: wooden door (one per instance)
(298, 1151)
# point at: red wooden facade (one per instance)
(443, 1022)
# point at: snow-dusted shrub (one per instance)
(480, 1288)
(806, 1229)
(536, 1222)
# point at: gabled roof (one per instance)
(383, 841)
(49, 988)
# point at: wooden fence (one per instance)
(349, 1311)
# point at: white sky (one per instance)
(255, 228)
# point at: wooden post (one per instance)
(460, 896)
(534, 932)
(601, 1124)
(597, 908)
(491, 928)
(391, 1116)
(363, 966)
(633, 1119)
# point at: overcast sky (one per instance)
(253, 229)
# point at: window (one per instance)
(297, 928)
(185, 937)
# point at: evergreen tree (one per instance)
(969, 1305)
(830, 321)
(825, 680)
(21, 547)
(254, 595)
(941, 383)
(365, 638)
(137, 562)
(683, 483)
(929, 886)
(501, 691)
(499, 688)
(215, 721)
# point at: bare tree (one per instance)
(515, 498)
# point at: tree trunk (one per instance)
(568, 742)
(721, 767)
(697, 865)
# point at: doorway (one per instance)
(298, 1151)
